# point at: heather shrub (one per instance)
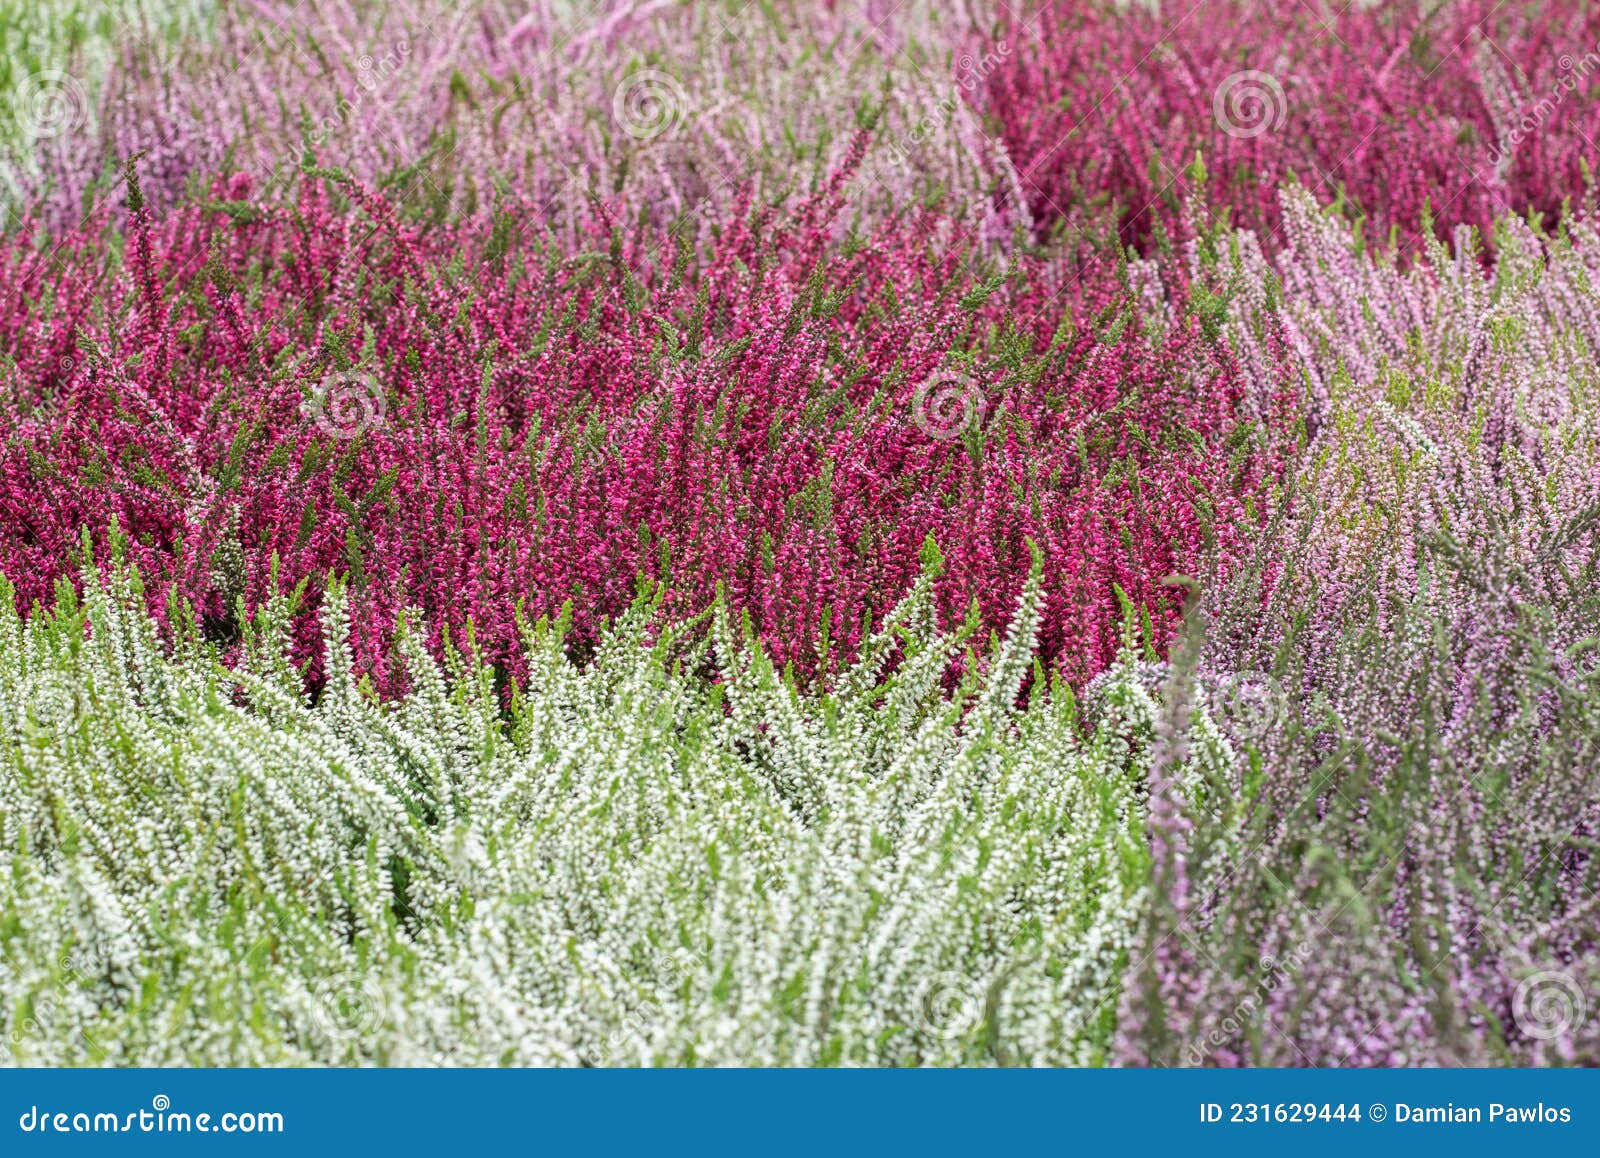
(1389, 111)
(468, 419)
(518, 435)
(664, 110)
(1401, 872)
(635, 865)
(54, 58)
(1056, 115)
(1457, 394)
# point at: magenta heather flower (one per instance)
(462, 420)
(1393, 112)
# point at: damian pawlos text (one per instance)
(1494, 1112)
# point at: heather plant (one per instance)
(1452, 393)
(1467, 111)
(468, 419)
(666, 110)
(634, 865)
(54, 57)
(1403, 871)
(518, 433)
(1061, 114)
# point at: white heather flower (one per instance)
(622, 874)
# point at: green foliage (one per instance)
(632, 863)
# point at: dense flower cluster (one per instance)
(1401, 869)
(665, 110)
(470, 423)
(1469, 109)
(846, 533)
(637, 867)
